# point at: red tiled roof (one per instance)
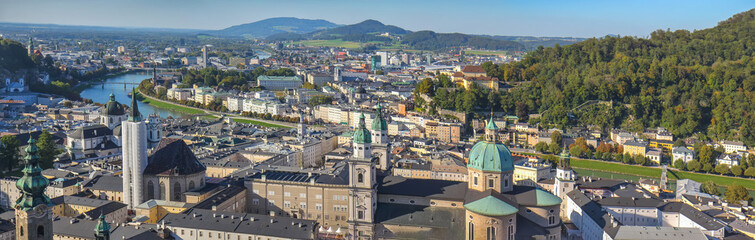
(473, 69)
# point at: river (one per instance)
(99, 94)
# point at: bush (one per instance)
(679, 164)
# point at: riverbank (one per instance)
(193, 110)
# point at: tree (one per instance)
(576, 151)
(554, 148)
(627, 158)
(737, 170)
(9, 152)
(679, 143)
(707, 168)
(694, 165)
(48, 150)
(308, 85)
(750, 172)
(541, 147)
(639, 159)
(736, 193)
(710, 187)
(556, 137)
(679, 164)
(705, 155)
(723, 169)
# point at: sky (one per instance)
(562, 18)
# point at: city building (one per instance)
(279, 82)
(682, 153)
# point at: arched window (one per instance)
(191, 185)
(360, 178)
(177, 192)
(551, 220)
(491, 233)
(475, 180)
(40, 232)
(22, 231)
(471, 230)
(162, 191)
(150, 190)
(511, 232)
(111, 120)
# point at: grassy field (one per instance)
(172, 106)
(330, 43)
(651, 172)
(475, 52)
(239, 120)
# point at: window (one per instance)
(511, 232)
(471, 231)
(302, 205)
(177, 192)
(318, 206)
(474, 180)
(271, 202)
(150, 190)
(255, 201)
(491, 233)
(318, 196)
(491, 183)
(551, 220)
(506, 183)
(287, 194)
(360, 178)
(302, 195)
(360, 214)
(162, 191)
(287, 204)
(271, 193)
(335, 197)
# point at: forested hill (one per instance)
(688, 82)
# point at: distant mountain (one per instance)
(365, 27)
(271, 26)
(429, 40)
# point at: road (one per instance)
(218, 114)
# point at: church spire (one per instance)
(134, 115)
(32, 184)
(491, 130)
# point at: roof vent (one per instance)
(251, 219)
(272, 220)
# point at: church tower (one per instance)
(380, 135)
(33, 208)
(134, 146)
(154, 129)
(363, 182)
(102, 229)
(31, 46)
(301, 128)
(564, 182)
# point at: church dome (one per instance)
(491, 155)
(112, 107)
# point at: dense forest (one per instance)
(697, 83)
(429, 40)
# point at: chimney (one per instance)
(252, 219)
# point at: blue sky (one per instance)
(578, 18)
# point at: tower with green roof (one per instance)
(33, 208)
(564, 180)
(381, 147)
(102, 229)
(363, 181)
(113, 113)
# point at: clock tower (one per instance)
(33, 208)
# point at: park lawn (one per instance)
(330, 43)
(478, 52)
(240, 120)
(656, 172)
(174, 107)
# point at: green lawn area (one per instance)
(239, 120)
(618, 168)
(170, 106)
(478, 52)
(330, 43)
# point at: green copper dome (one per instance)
(32, 184)
(491, 206)
(112, 107)
(546, 199)
(362, 135)
(491, 156)
(102, 227)
(379, 123)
